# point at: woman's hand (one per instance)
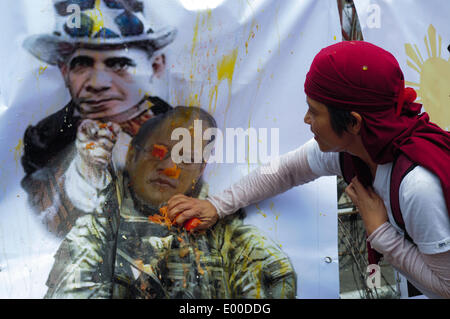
(370, 206)
(182, 208)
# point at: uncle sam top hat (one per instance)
(102, 24)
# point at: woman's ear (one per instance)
(355, 127)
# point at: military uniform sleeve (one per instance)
(44, 141)
(257, 266)
(84, 263)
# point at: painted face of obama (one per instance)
(108, 84)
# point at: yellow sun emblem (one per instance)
(434, 87)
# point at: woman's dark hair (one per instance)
(340, 119)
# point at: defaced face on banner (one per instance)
(108, 84)
(154, 176)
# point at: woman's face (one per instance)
(318, 118)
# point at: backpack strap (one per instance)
(400, 168)
(347, 169)
(348, 172)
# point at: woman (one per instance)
(358, 106)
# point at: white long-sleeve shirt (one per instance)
(426, 264)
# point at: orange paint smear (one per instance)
(159, 151)
(192, 223)
(90, 146)
(162, 219)
(172, 172)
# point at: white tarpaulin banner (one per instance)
(417, 34)
(243, 62)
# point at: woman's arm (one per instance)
(430, 271)
(291, 169)
(287, 171)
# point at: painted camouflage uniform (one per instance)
(230, 260)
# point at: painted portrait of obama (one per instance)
(112, 65)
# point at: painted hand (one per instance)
(370, 206)
(95, 141)
(182, 208)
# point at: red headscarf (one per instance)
(359, 76)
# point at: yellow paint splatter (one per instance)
(225, 71)
(209, 19)
(97, 17)
(225, 67)
(251, 35)
(195, 38)
(277, 216)
(258, 270)
(42, 69)
(195, 93)
(18, 152)
(260, 211)
(193, 100)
